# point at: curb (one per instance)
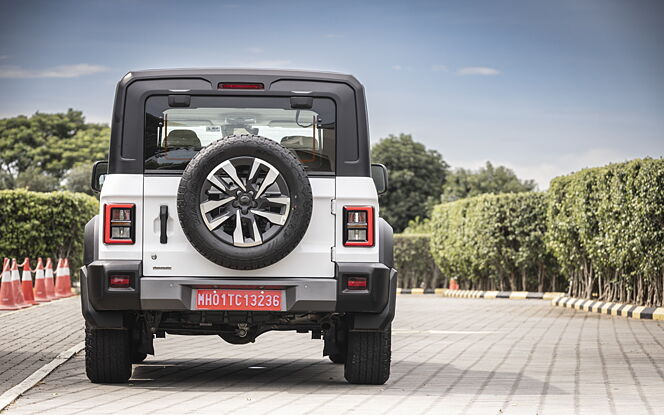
(420, 291)
(12, 394)
(512, 295)
(613, 309)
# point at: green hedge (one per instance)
(44, 224)
(413, 259)
(607, 231)
(493, 242)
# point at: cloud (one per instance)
(255, 50)
(439, 68)
(478, 70)
(61, 71)
(397, 67)
(3, 57)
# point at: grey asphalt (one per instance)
(451, 356)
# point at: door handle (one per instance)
(163, 221)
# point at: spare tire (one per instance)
(244, 202)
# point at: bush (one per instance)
(494, 242)
(414, 262)
(44, 224)
(606, 229)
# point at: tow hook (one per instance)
(242, 330)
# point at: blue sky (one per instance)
(544, 87)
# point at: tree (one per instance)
(463, 183)
(47, 145)
(78, 179)
(416, 176)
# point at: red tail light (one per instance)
(357, 283)
(240, 85)
(119, 281)
(358, 226)
(119, 223)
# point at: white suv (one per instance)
(236, 202)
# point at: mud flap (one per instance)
(378, 321)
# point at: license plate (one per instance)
(220, 299)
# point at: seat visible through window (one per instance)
(182, 138)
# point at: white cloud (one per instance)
(61, 71)
(397, 67)
(255, 50)
(478, 70)
(439, 68)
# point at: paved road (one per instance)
(32, 337)
(449, 356)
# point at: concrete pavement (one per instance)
(450, 356)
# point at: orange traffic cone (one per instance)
(40, 283)
(62, 280)
(7, 300)
(48, 280)
(18, 291)
(26, 283)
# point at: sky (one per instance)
(543, 87)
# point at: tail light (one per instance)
(240, 85)
(119, 281)
(356, 283)
(358, 226)
(119, 223)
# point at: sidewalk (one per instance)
(33, 337)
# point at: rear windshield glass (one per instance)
(173, 135)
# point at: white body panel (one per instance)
(314, 256)
(122, 188)
(311, 258)
(355, 191)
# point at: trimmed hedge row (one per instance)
(44, 224)
(413, 259)
(495, 242)
(606, 229)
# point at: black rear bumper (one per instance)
(105, 307)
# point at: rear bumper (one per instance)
(302, 295)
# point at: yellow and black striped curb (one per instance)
(512, 295)
(613, 309)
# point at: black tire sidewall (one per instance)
(275, 248)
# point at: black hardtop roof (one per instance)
(269, 75)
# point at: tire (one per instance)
(338, 358)
(276, 239)
(107, 355)
(369, 355)
(138, 357)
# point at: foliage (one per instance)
(44, 224)
(607, 231)
(78, 179)
(494, 242)
(462, 183)
(413, 259)
(415, 176)
(36, 152)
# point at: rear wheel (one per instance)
(138, 357)
(107, 355)
(368, 358)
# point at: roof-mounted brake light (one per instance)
(240, 85)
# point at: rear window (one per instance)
(173, 135)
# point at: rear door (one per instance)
(174, 134)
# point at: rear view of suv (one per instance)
(236, 202)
